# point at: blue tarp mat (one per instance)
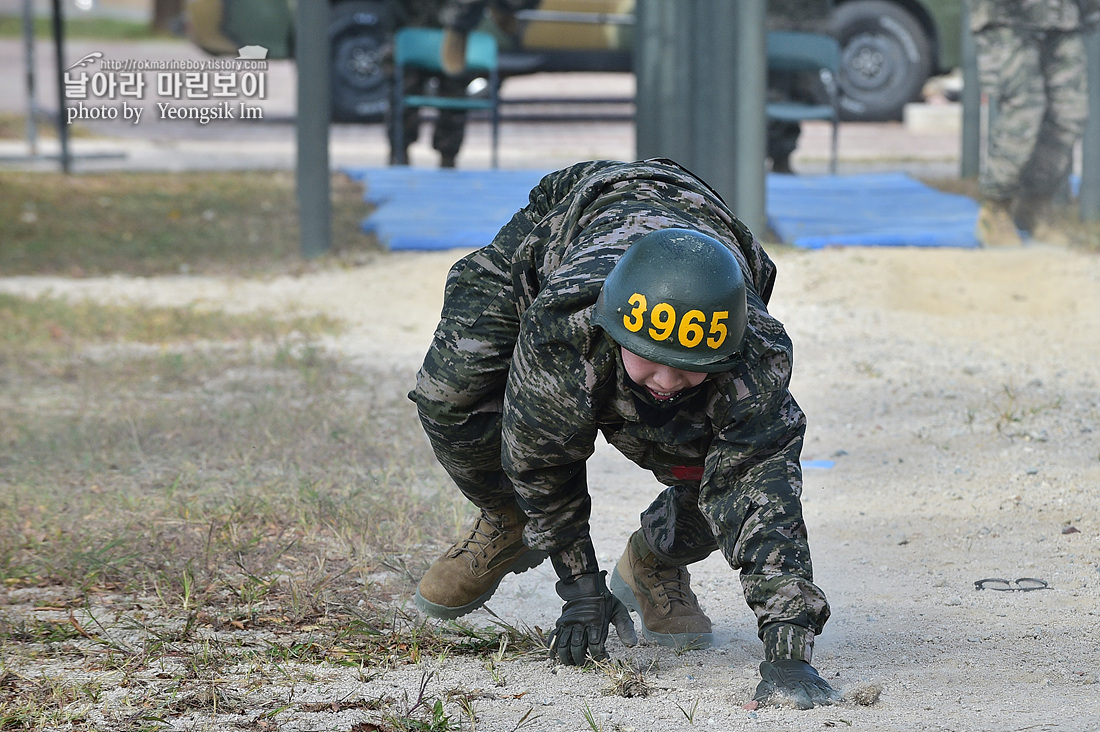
(872, 209)
(433, 208)
(430, 208)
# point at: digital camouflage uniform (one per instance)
(450, 124)
(518, 382)
(465, 15)
(1031, 62)
(810, 16)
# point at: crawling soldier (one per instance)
(626, 299)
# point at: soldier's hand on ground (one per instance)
(589, 609)
(794, 683)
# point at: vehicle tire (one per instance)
(361, 39)
(885, 59)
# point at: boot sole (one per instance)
(680, 641)
(528, 560)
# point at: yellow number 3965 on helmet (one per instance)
(676, 297)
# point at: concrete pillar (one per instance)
(701, 81)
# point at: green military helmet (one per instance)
(676, 297)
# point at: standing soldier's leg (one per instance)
(459, 395)
(782, 142)
(651, 577)
(782, 137)
(1008, 66)
(450, 127)
(410, 121)
(1047, 173)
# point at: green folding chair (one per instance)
(420, 48)
(799, 52)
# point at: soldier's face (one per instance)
(662, 382)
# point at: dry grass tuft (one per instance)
(243, 223)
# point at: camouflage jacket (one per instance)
(811, 16)
(739, 437)
(1063, 15)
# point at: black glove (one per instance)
(582, 629)
(793, 682)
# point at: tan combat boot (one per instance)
(660, 594)
(1047, 231)
(995, 227)
(452, 55)
(1041, 218)
(467, 575)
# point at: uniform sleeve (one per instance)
(750, 494)
(549, 432)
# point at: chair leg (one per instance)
(832, 157)
(397, 135)
(495, 91)
(496, 137)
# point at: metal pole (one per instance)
(28, 56)
(314, 199)
(59, 55)
(970, 159)
(662, 70)
(750, 62)
(1090, 147)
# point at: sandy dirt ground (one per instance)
(954, 431)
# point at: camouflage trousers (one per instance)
(1038, 83)
(465, 15)
(460, 388)
(450, 124)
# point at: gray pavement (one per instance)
(928, 147)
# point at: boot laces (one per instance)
(670, 583)
(487, 529)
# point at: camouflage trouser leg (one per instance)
(782, 137)
(450, 126)
(1038, 84)
(1064, 65)
(675, 529)
(459, 390)
(1008, 67)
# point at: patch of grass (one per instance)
(1012, 409)
(627, 680)
(424, 713)
(14, 127)
(242, 475)
(233, 222)
(1084, 235)
(44, 702)
(105, 29)
(201, 528)
(689, 713)
(43, 323)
